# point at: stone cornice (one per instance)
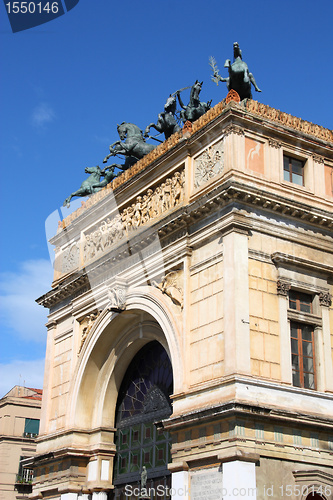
(233, 408)
(177, 141)
(230, 192)
(281, 259)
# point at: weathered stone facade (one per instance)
(202, 246)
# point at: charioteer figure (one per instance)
(240, 78)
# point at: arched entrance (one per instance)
(143, 401)
(315, 496)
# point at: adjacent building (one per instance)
(19, 426)
(190, 331)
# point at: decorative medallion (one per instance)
(232, 96)
(209, 164)
(187, 128)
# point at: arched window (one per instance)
(143, 401)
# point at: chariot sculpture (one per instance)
(195, 107)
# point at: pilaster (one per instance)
(236, 302)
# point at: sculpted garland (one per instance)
(145, 208)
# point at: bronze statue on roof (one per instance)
(240, 78)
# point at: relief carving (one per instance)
(150, 205)
(274, 144)
(117, 298)
(318, 158)
(289, 120)
(172, 286)
(70, 258)
(283, 288)
(208, 164)
(325, 299)
(87, 323)
(233, 129)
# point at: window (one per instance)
(31, 427)
(24, 475)
(293, 170)
(300, 301)
(302, 343)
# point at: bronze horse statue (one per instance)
(195, 107)
(87, 186)
(134, 146)
(240, 78)
(166, 121)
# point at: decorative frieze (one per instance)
(147, 207)
(209, 164)
(289, 120)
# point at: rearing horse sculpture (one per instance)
(134, 146)
(240, 78)
(87, 186)
(195, 108)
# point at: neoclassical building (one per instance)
(190, 333)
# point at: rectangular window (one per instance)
(24, 475)
(31, 427)
(302, 342)
(293, 170)
(301, 302)
(302, 355)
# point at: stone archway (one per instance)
(110, 347)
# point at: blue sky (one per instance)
(66, 84)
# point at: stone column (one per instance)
(180, 485)
(239, 480)
(48, 376)
(325, 300)
(285, 344)
(236, 302)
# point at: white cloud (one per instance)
(27, 373)
(18, 292)
(42, 115)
